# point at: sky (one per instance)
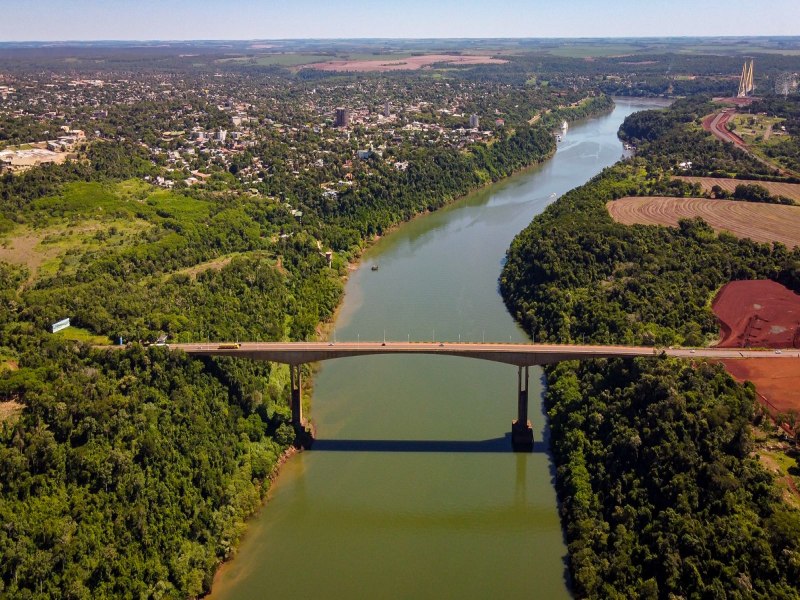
(50, 20)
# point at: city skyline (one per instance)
(56, 20)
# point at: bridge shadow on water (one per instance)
(501, 445)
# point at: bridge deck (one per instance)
(296, 353)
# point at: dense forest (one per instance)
(659, 493)
(130, 471)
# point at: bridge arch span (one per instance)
(523, 356)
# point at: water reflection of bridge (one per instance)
(522, 356)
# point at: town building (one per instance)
(342, 118)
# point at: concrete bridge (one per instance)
(522, 356)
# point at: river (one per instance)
(411, 490)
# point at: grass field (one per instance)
(280, 60)
(753, 128)
(774, 454)
(291, 60)
(759, 222)
(212, 265)
(733, 49)
(60, 247)
(90, 199)
(595, 50)
(87, 218)
(10, 411)
(82, 335)
(127, 199)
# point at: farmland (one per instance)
(414, 63)
(759, 222)
(287, 59)
(789, 190)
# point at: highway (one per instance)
(296, 353)
(718, 126)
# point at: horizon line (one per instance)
(400, 38)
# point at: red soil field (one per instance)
(758, 314)
(412, 63)
(777, 381)
(759, 222)
(763, 314)
(737, 101)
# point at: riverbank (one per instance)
(588, 108)
(325, 329)
(384, 421)
(649, 450)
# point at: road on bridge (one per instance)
(296, 353)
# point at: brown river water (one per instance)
(411, 489)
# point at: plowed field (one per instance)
(759, 222)
(790, 190)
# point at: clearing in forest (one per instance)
(762, 314)
(758, 314)
(59, 248)
(216, 264)
(10, 410)
(759, 222)
(776, 381)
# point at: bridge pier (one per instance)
(297, 391)
(521, 430)
(304, 436)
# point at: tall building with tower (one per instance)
(387, 110)
(746, 85)
(342, 118)
(474, 121)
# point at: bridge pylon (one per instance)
(297, 392)
(304, 435)
(521, 430)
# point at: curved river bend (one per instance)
(411, 490)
